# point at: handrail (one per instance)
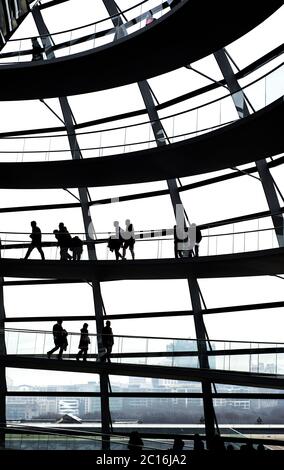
(86, 25)
(195, 108)
(163, 192)
(28, 132)
(83, 39)
(51, 3)
(139, 235)
(87, 435)
(211, 340)
(187, 437)
(150, 236)
(22, 152)
(239, 219)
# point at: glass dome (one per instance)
(197, 327)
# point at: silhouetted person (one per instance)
(178, 444)
(198, 443)
(198, 238)
(2, 438)
(37, 50)
(65, 234)
(217, 444)
(84, 343)
(260, 448)
(65, 341)
(248, 447)
(64, 255)
(129, 238)
(181, 242)
(64, 241)
(59, 338)
(230, 448)
(107, 339)
(135, 442)
(36, 241)
(76, 248)
(259, 420)
(115, 242)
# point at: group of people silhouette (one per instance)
(217, 444)
(64, 241)
(122, 239)
(60, 341)
(59, 338)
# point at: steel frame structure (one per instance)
(88, 225)
(275, 211)
(240, 102)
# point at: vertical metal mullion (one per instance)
(192, 283)
(179, 213)
(266, 178)
(83, 196)
(209, 412)
(3, 352)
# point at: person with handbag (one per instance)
(107, 340)
(84, 343)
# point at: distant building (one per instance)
(236, 403)
(187, 345)
(68, 406)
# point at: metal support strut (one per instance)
(266, 178)
(179, 212)
(88, 227)
(3, 352)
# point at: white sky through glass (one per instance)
(230, 198)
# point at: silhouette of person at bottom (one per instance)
(84, 343)
(260, 448)
(36, 241)
(178, 444)
(217, 444)
(135, 442)
(198, 443)
(107, 339)
(59, 338)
